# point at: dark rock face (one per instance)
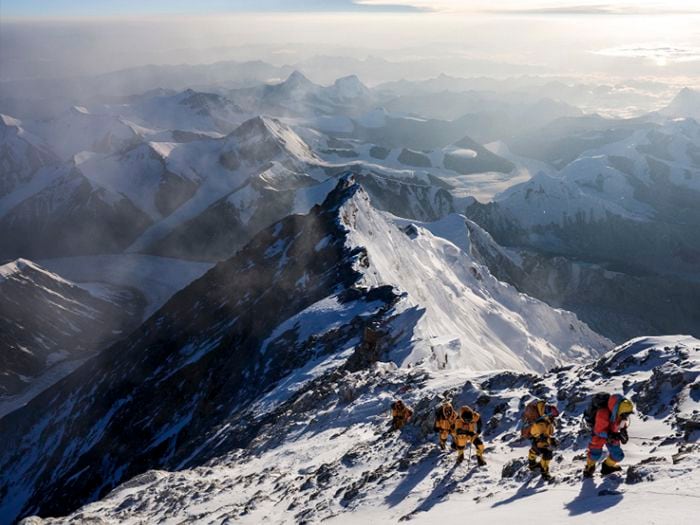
(615, 304)
(172, 192)
(153, 399)
(615, 297)
(374, 342)
(378, 152)
(643, 276)
(414, 158)
(70, 217)
(511, 468)
(44, 319)
(417, 134)
(563, 140)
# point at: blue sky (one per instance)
(138, 7)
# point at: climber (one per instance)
(400, 414)
(608, 417)
(445, 417)
(538, 419)
(466, 429)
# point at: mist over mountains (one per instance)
(215, 276)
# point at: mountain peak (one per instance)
(21, 266)
(297, 79)
(79, 110)
(349, 80)
(686, 103)
(344, 191)
(201, 99)
(12, 268)
(267, 136)
(350, 87)
(258, 126)
(686, 96)
(7, 121)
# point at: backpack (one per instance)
(530, 415)
(598, 401)
(441, 422)
(439, 414)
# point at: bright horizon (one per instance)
(611, 42)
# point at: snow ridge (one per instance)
(471, 320)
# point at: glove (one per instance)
(615, 436)
(624, 436)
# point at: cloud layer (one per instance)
(540, 7)
(661, 54)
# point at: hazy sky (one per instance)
(135, 7)
(617, 38)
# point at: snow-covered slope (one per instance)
(160, 177)
(142, 174)
(230, 222)
(189, 110)
(106, 202)
(633, 201)
(685, 104)
(471, 321)
(156, 278)
(326, 453)
(200, 199)
(220, 166)
(79, 130)
(45, 320)
(22, 155)
(290, 305)
(613, 303)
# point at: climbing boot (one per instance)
(544, 467)
(608, 468)
(460, 458)
(589, 470)
(480, 461)
(533, 464)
